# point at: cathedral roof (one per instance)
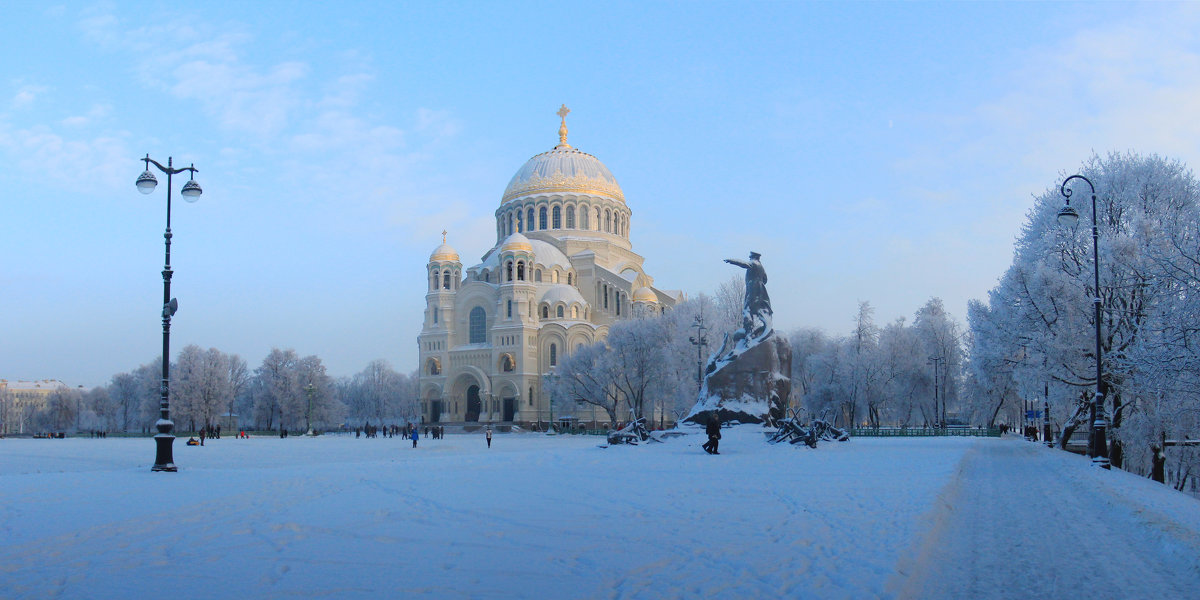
(561, 292)
(515, 242)
(645, 294)
(563, 170)
(444, 253)
(548, 255)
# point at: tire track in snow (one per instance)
(1014, 507)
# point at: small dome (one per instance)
(561, 292)
(645, 294)
(444, 253)
(516, 242)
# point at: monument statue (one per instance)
(756, 312)
(747, 378)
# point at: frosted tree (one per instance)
(941, 340)
(730, 301)
(123, 391)
(1041, 314)
(584, 377)
(903, 376)
(682, 359)
(276, 390)
(635, 358)
(200, 386)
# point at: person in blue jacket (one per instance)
(414, 437)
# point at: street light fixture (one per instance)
(1068, 217)
(146, 182)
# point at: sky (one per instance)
(881, 152)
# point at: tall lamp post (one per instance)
(938, 414)
(309, 389)
(1068, 217)
(699, 341)
(163, 459)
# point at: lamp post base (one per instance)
(163, 458)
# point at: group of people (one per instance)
(210, 432)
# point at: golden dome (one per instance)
(516, 242)
(563, 170)
(645, 294)
(444, 253)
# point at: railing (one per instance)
(925, 432)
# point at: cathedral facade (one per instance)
(562, 270)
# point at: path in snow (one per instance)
(1021, 521)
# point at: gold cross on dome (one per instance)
(562, 129)
(443, 236)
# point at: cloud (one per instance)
(26, 95)
(97, 162)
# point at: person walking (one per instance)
(713, 429)
(414, 437)
(488, 434)
(202, 435)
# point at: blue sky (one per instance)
(878, 151)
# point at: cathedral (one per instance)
(562, 270)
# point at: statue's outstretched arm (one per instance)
(734, 261)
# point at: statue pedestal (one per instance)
(751, 387)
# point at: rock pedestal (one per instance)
(750, 385)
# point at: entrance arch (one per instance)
(474, 404)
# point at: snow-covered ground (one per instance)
(558, 517)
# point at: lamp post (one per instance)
(699, 341)
(937, 413)
(309, 389)
(163, 460)
(1068, 217)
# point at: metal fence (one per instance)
(925, 432)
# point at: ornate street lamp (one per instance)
(1068, 217)
(163, 459)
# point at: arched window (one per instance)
(433, 367)
(570, 217)
(559, 311)
(519, 220)
(583, 218)
(529, 219)
(508, 271)
(435, 315)
(556, 213)
(478, 326)
(537, 275)
(433, 282)
(521, 271)
(606, 296)
(608, 221)
(446, 280)
(510, 309)
(545, 312)
(506, 364)
(542, 218)
(617, 298)
(553, 276)
(574, 311)
(553, 355)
